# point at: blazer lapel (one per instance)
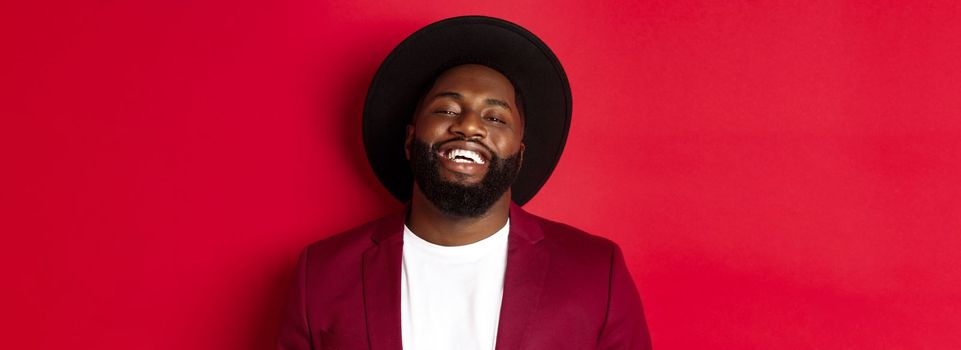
(381, 270)
(527, 264)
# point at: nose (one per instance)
(469, 125)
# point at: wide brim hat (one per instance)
(413, 65)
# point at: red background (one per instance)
(780, 175)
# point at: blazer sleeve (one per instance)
(624, 326)
(294, 331)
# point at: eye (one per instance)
(445, 112)
(494, 118)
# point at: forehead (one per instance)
(474, 79)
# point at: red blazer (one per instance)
(563, 289)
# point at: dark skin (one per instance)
(475, 102)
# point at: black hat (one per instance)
(406, 73)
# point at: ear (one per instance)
(408, 140)
(521, 152)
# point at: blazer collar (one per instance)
(381, 276)
(389, 228)
(525, 225)
(527, 264)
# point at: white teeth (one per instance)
(472, 157)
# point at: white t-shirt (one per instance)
(451, 296)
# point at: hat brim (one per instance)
(522, 57)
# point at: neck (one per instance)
(435, 226)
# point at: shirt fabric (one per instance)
(451, 296)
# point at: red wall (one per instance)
(780, 175)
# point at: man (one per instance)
(463, 267)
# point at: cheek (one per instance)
(427, 129)
(509, 143)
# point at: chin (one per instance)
(461, 195)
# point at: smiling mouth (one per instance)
(458, 155)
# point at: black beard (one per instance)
(455, 199)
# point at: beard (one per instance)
(456, 199)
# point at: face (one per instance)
(465, 143)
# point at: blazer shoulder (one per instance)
(357, 239)
(571, 238)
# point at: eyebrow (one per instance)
(489, 101)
